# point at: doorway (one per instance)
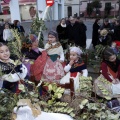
(69, 9)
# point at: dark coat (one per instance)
(108, 26)
(20, 29)
(83, 37)
(62, 32)
(1, 33)
(74, 33)
(67, 22)
(95, 34)
(117, 33)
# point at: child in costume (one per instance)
(110, 73)
(74, 68)
(114, 47)
(10, 72)
(35, 58)
(53, 70)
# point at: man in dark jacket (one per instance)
(106, 25)
(1, 33)
(74, 32)
(117, 30)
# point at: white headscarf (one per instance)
(76, 49)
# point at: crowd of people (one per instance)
(49, 63)
(107, 33)
(72, 29)
(41, 63)
(5, 30)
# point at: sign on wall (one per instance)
(49, 2)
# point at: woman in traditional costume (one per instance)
(53, 70)
(74, 68)
(110, 75)
(35, 58)
(11, 72)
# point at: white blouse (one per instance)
(68, 67)
(7, 34)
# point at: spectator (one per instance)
(67, 21)
(20, 28)
(113, 23)
(2, 22)
(95, 34)
(105, 38)
(83, 30)
(62, 32)
(8, 22)
(117, 30)
(1, 30)
(74, 33)
(106, 25)
(78, 19)
(7, 34)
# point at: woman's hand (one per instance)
(115, 81)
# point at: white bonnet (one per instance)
(76, 49)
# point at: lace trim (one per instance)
(54, 46)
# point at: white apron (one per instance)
(66, 79)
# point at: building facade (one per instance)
(78, 7)
(20, 9)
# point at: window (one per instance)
(69, 11)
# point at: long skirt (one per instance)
(53, 71)
(104, 89)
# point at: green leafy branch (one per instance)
(96, 111)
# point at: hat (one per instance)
(76, 49)
(54, 33)
(103, 32)
(33, 37)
